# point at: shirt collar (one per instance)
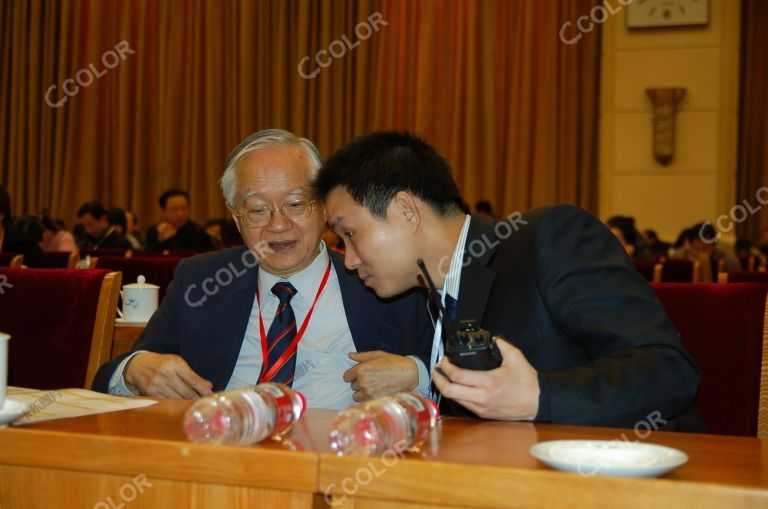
(453, 277)
(305, 281)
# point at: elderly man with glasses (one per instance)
(283, 308)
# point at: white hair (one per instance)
(259, 140)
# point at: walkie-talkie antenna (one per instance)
(450, 330)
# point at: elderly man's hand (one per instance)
(165, 376)
(381, 374)
(509, 392)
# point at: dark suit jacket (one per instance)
(208, 330)
(114, 240)
(562, 289)
(190, 237)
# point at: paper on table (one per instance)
(63, 403)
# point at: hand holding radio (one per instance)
(486, 375)
(470, 347)
(509, 392)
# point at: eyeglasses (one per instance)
(260, 216)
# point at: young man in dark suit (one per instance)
(281, 309)
(587, 341)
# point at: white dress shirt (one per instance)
(450, 287)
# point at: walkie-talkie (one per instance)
(469, 347)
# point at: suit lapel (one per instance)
(226, 320)
(476, 278)
(367, 317)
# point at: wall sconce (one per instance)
(666, 105)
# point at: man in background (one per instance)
(176, 231)
(99, 233)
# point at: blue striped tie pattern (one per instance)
(281, 333)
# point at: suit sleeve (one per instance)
(162, 334)
(151, 244)
(637, 364)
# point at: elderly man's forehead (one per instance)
(297, 191)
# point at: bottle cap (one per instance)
(303, 403)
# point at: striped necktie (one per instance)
(281, 334)
(450, 307)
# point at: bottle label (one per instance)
(423, 416)
(283, 406)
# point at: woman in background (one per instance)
(55, 237)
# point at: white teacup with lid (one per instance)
(139, 301)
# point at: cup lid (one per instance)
(141, 282)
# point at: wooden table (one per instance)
(487, 464)
(140, 458)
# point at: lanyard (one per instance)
(267, 374)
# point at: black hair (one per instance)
(94, 208)
(703, 231)
(116, 216)
(682, 237)
(651, 234)
(30, 227)
(626, 225)
(170, 193)
(376, 166)
(484, 206)
(49, 223)
(463, 206)
(5, 208)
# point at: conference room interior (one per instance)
(646, 120)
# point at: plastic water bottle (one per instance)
(84, 263)
(244, 416)
(392, 423)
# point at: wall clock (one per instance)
(667, 13)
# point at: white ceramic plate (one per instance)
(609, 457)
(11, 411)
(123, 321)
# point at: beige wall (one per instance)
(700, 182)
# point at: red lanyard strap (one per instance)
(295, 343)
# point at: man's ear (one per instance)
(407, 208)
(235, 218)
